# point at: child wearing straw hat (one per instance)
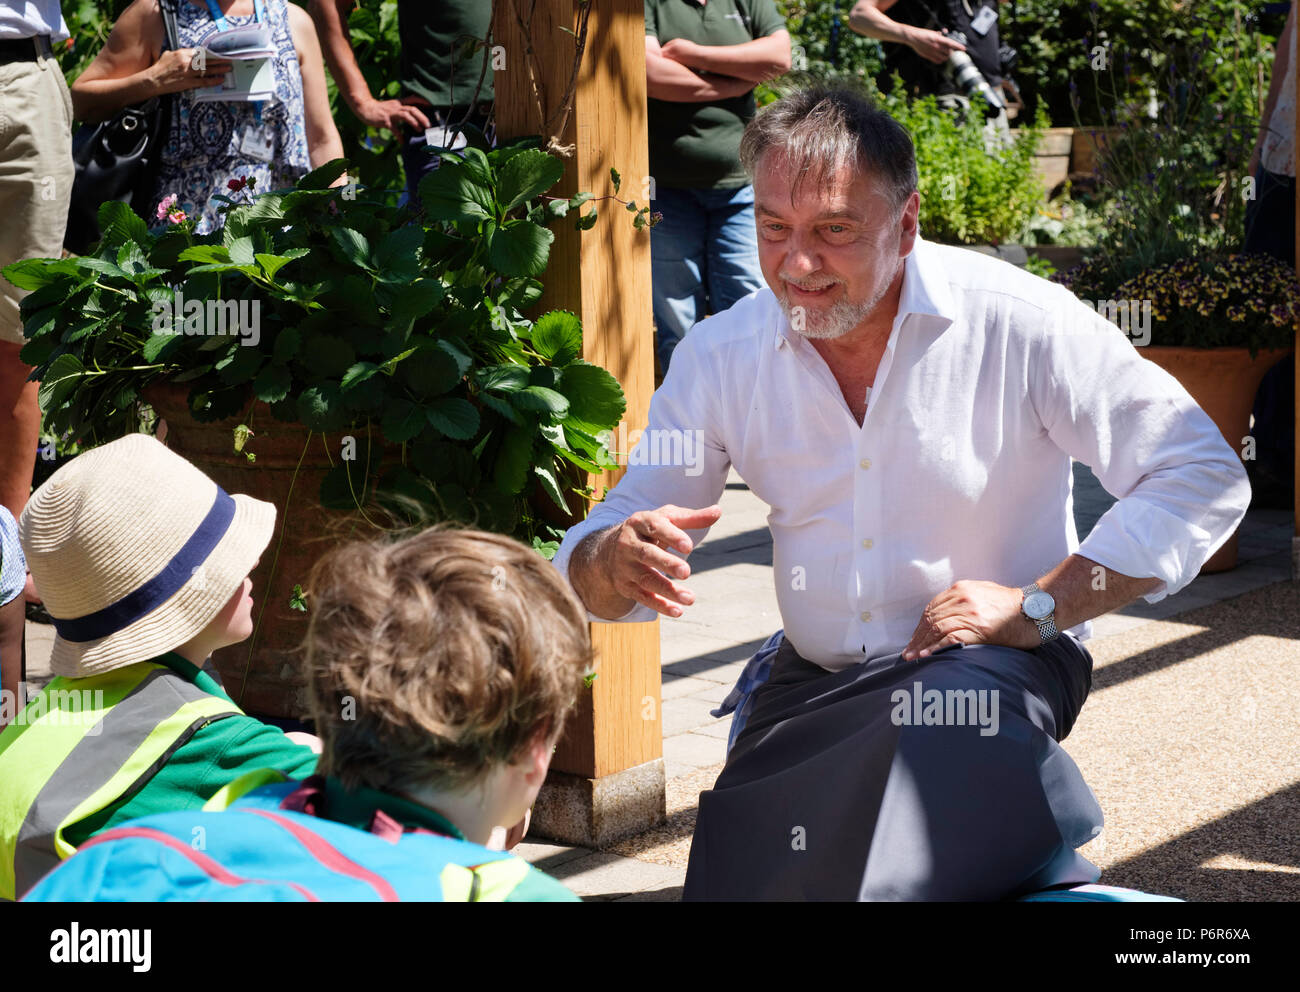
(441, 668)
(142, 562)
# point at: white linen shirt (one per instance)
(28, 18)
(991, 380)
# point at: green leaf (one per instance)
(615, 178)
(102, 266)
(462, 360)
(241, 251)
(527, 175)
(398, 256)
(243, 365)
(328, 356)
(320, 408)
(430, 371)
(587, 221)
(502, 378)
(513, 459)
(286, 344)
(596, 400)
(557, 336)
(59, 382)
(453, 417)
(323, 177)
(501, 406)
(121, 224)
(551, 487)
(205, 253)
(34, 273)
(402, 420)
(519, 247)
(451, 193)
(540, 399)
(353, 244)
(156, 345)
(271, 264)
(412, 301)
(358, 374)
(272, 383)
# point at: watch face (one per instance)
(1039, 605)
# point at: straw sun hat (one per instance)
(134, 551)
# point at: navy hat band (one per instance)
(136, 605)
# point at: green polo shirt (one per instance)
(697, 145)
(357, 809)
(438, 60)
(213, 757)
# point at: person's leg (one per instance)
(1270, 230)
(12, 626)
(677, 259)
(35, 183)
(733, 269)
(830, 794)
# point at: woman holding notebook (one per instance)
(250, 97)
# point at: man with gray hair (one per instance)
(909, 412)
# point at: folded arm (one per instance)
(755, 61)
(674, 82)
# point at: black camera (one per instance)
(967, 78)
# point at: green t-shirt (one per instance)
(438, 60)
(216, 755)
(357, 809)
(697, 145)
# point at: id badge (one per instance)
(984, 20)
(444, 137)
(258, 142)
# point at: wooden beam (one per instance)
(607, 775)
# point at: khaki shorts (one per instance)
(35, 172)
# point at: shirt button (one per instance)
(867, 542)
(866, 616)
(865, 463)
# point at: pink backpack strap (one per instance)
(308, 798)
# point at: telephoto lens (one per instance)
(967, 77)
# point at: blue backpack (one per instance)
(1094, 893)
(265, 847)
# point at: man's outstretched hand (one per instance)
(633, 562)
(972, 612)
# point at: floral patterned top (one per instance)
(1278, 153)
(202, 152)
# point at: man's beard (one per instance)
(835, 321)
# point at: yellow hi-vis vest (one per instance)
(81, 745)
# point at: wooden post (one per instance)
(607, 777)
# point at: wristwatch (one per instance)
(1040, 608)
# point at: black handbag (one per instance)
(118, 159)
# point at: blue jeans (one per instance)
(704, 256)
(418, 159)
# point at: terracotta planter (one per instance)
(1088, 145)
(1223, 382)
(263, 674)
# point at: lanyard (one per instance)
(220, 18)
(223, 25)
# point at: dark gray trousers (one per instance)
(933, 780)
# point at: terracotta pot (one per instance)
(263, 674)
(1223, 382)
